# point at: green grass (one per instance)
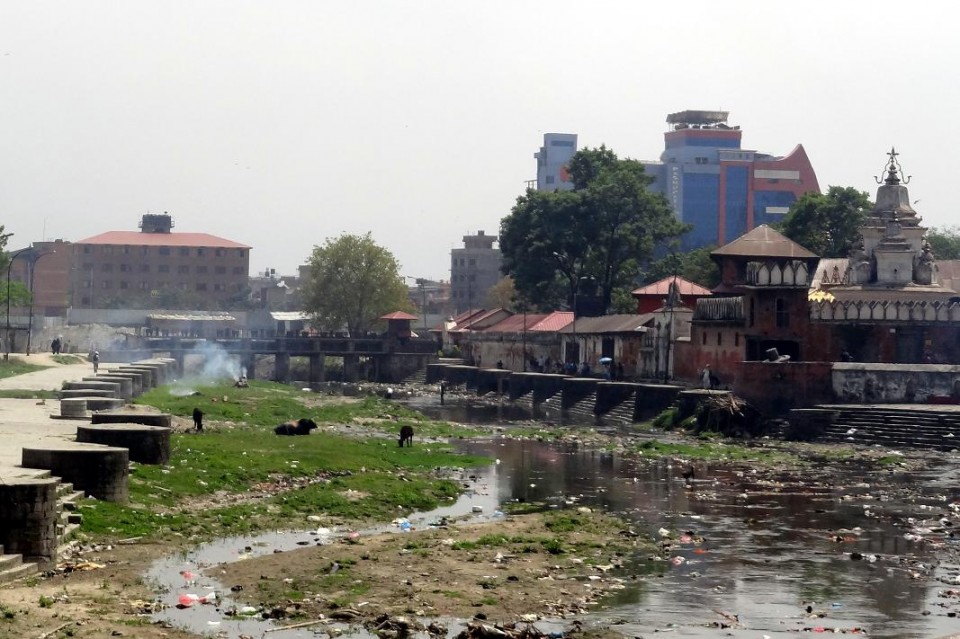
(719, 451)
(69, 359)
(237, 472)
(13, 367)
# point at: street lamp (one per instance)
(6, 350)
(33, 269)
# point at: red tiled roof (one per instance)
(555, 321)
(661, 288)
(136, 238)
(399, 315)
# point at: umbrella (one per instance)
(606, 360)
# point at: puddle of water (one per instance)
(772, 545)
(479, 502)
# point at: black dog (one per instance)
(299, 427)
(198, 419)
(406, 436)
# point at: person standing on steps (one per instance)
(96, 361)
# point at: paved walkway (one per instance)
(27, 422)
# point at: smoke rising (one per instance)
(207, 364)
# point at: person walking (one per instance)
(96, 361)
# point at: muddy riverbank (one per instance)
(838, 539)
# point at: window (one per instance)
(124, 268)
(107, 250)
(473, 262)
(105, 284)
(736, 339)
(85, 301)
(143, 286)
(184, 251)
(703, 338)
(144, 250)
(201, 269)
(124, 285)
(163, 268)
(719, 338)
(219, 252)
(201, 251)
(783, 313)
(220, 270)
(183, 286)
(106, 268)
(218, 287)
(238, 270)
(86, 284)
(183, 269)
(126, 250)
(86, 249)
(88, 266)
(566, 143)
(752, 314)
(144, 268)
(240, 252)
(548, 179)
(201, 286)
(164, 250)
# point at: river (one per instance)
(864, 551)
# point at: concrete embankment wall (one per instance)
(644, 401)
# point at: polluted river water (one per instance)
(742, 551)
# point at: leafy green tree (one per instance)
(559, 244)
(503, 294)
(352, 282)
(945, 242)
(695, 266)
(827, 224)
(19, 294)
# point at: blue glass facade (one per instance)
(736, 202)
(700, 205)
(763, 199)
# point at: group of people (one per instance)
(57, 345)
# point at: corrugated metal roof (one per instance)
(763, 241)
(661, 288)
(719, 309)
(553, 322)
(136, 238)
(624, 323)
(515, 323)
(476, 322)
(288, 316)
(192, 317)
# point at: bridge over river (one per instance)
(383, 358)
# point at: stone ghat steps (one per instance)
(584, 409)
(12, 567)
(622, 413)
(902, 428)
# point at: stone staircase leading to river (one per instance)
(906, 426)
(13, 566)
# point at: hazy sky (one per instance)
(279, 124)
